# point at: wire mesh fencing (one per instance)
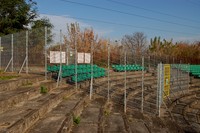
(131, 81)
(23, 51)
(127, 79)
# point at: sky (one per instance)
(112, 19)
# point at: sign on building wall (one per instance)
(166, 80)
(81, 58)
(84, 58)
(87, 58)
(55, 57)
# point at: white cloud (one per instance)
(187, 38)
(60, 23)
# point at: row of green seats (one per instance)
(183, 67)
(71, 67)
(67, 73)
(80, 69)
(84, 77)
(194, 70)
(83, 71)
(121, 68)
(55, 68)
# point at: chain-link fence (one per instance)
(23, 51)
(129, 80)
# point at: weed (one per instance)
(7, 77)
(43, 90)
(27, 84)
(106, 112)
(65, 97)
(77, 119)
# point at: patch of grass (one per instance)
(77, 119)
(106, 112)
(107, 109)
(130, 119)
(43, 90)
(66, 97)
(7, 77)
(27, 84)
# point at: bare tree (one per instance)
(135, 42)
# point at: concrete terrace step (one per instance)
(114, 74)
(184, 113)
(13, 84)
(23, 93)
(54, 120)
(90, 116)
(130, 84)
(192, 115)
(119, 76)
(144, 123)
(23, 116)
(116, 79)
(114, 121)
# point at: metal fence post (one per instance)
(124, 80)
(142, 102)
(26, 57)
(178, 65)
(0, 53)
(76, 56)
(67, 51)
(188, 75)
(160, 90)
(91, 83)
(45, 54)
(12, 53)
(160, 85)
(60, 71)
(109, 70)
(11, 59)
(26, 52)
(149, 62)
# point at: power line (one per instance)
(154, 11)
(133, 26)
(126, 25)
(131, 14)
(194, 3)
